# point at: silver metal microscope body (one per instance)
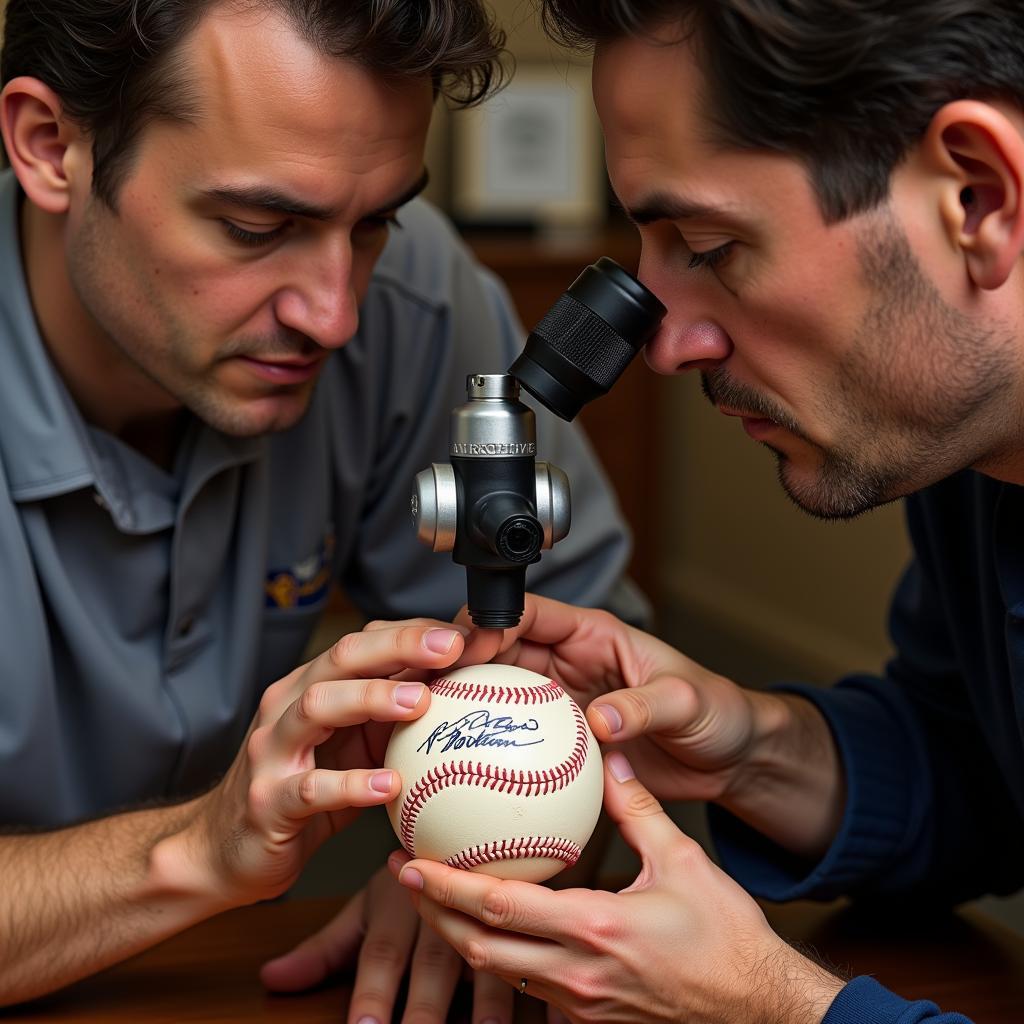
(494, 506)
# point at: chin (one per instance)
(255, 418)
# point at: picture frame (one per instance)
(532, 154)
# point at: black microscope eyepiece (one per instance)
(587, 339)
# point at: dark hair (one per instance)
(117, 65)
(848, 86)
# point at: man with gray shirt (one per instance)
(221, 377)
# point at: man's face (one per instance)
(243, 244)
(832, 342)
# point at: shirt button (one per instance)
(185, 625)
(100, 500)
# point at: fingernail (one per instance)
(411, 879)
(408, 694)
(380, 782)
(620, 768)
(611, 717)
(439, 640)
(367, 1020)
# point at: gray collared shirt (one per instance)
(144, 611)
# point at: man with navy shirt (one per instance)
(831, 202)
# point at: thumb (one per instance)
(667, 704)
(321, 954)
(645, 826)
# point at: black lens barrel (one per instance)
(587, 339)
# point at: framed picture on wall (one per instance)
(531, 154)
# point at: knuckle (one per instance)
(256, 744)
(260, 798)
(498, 909)
(307, 788)
(382, 953)
(312, 702)
(343, 649)
(272, 696)
(586, 982)
(686, 855)
(478, 956)
(639, 709)
(643, 805)
(435, 955)
(602, 930)
(406, 638)
(446, 894)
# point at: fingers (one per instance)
(667, 704)
(434, 973)
(383, 651)
(391, 930)
(326, 706)
(502, 954)
(545, 621)
(498, 903)
(322, 954)
(492, 999)
(641, 819)
(281, 804)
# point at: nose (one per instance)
(321, 301)
(689, 337)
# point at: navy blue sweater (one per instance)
(933, 750)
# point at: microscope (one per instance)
(493, 505)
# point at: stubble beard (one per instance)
(919, 390)
(159, 345)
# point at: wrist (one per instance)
(797, 990)
(790, 785)
(180, 871)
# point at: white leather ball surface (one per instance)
(502, 775)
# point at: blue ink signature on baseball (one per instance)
(479, 729)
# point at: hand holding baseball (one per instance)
(690, 733)
(683, 942)
(309, 762)
(685, 729)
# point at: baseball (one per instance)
(502, 775)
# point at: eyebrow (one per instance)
(273, 200)
(664, 206)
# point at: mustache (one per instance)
(720, 389)
(282, 345)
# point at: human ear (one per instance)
(40, 142)
(978, 152)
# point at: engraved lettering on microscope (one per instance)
(494, 448)
(479, 729)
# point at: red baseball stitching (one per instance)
(516, 849)
(468, 773)
(542, 694)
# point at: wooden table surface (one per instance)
(963, 961)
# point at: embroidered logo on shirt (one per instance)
(305, 583)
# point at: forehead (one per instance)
(649, 94)
(654, 104)
(268, 100)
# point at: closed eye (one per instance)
(711, 258)
(255, 239)
(381, 220)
